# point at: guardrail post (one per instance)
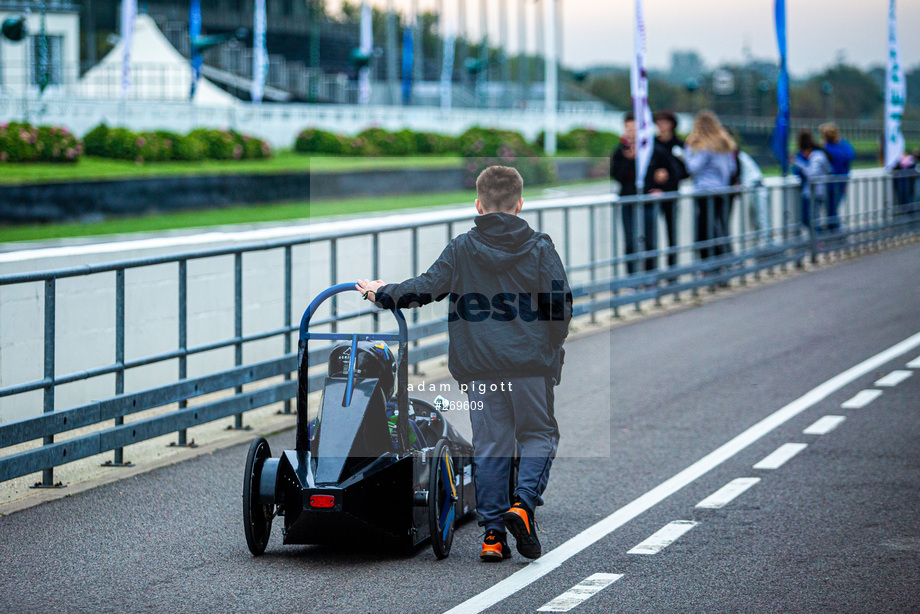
(238, 331)
(119, 460)
(288, 304)
(375, 272)
(813, 225)
(592, 255)
(183, 347)
(415, 315)
(614, 251)
(48, 399)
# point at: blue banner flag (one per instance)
(408, 59)
(779, 142)
(194, 33)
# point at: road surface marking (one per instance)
(894, 378)
(779, 457)
(663, 537)
(824, 425)
(727, 493)
(585, 589)
(559, 555)
(914, 364)
(862, 399)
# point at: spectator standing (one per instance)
(811, 163)
(623, 170)
(673, 147)
(841, 154)
(905, 182)
(758, 208)
(710, 160)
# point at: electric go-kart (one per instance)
(373, 466)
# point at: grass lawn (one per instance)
(231, 215)
(90, 168)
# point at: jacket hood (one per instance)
(500, 240)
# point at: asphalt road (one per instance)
(834, 529)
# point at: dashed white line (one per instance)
(824, 425)
(894, 378)
(663, 537)
(727, 493)
(862, 399)
(780, 456)
(914, 364)
(582, 591)
(559, 555)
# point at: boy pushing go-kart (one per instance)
(510, 307)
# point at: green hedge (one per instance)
(585, 141)
(162, 146)
(374, 142)
(482, 148)
(22, 142)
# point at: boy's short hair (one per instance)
(499, 188)
(629, 117)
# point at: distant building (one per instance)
(19, 61)
(686, 66)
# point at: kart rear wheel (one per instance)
(257, 518)
(442, 499)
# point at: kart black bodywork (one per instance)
(354, 476)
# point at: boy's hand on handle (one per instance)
(368, 288)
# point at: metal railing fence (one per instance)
(618, 252)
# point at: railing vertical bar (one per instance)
(333, 276)
(415, 314)
(238, 326)
(119, 459)
(592, 253)
(183, 341)
(48, 400)
(375, 272)
(288, 306)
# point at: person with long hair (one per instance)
(710, 160)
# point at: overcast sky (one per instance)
(600, 31)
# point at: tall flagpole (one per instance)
(551, 83)
(645, 129)
(367, 48)
(259, 53)
(895, 94)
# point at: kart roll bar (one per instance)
(402, 370)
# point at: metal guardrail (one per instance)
(875, 208)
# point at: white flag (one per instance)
(895, 95)
(645, 129)
(447, 69)
(128, 17)
(367, 48)
(259, 54)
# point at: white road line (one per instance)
(894, 378)
(825, 425)
(727, 493)
(862, 398)
(559, 555)
(585, 589)
(914, 364)
(779, 457)
(663, 537)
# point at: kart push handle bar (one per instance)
(402, 373)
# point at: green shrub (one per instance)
(379, 142)
(94, 142)
(313, 141)
(482, 148)
(22, 142)
(190, 148)
(255, 149)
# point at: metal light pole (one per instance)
(392, 69)
(551, 83)
(418, 49)
(482, 79)
(462, 51)
(522, 47)
(502, 49)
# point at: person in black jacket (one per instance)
(623, 170)
(673, 147)
(509, 313)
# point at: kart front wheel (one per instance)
(257, 518)
(442, 499)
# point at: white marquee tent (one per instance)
(158, 72)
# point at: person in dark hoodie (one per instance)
(659, 175)
(510, 307)
(673, 147)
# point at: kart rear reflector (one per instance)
(322, 501)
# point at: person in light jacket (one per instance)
(711, 163)
(810, 164)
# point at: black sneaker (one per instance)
(520, 522)
(495, 546)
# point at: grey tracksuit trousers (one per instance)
(522, 412)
